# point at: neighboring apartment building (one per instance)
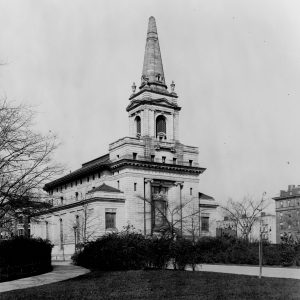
(266, 224)
(143, 179)
(288, 213)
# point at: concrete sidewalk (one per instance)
(277, 272)
(61, 271)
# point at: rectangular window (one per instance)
(205, 223)
(118, 156)
(134, 155)
(163, 159)
(134, 186)
(88, 179)
(20, 232)
(110, 220)
(190, 162)
(76, 195)
(118, 184)
(98, 175)
(80, 181)
(191, 191)
(71, 184)
(93, 176)
(61, 233)
(47, 230)
(174, 160)
(61, 200)
(152, 158)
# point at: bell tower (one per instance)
(153, 110)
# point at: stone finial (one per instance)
(133, 87)
(172, 85)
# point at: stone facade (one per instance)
(149, 179)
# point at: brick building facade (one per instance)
(288, 213)
(145, 178)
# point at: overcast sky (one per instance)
(236, 65)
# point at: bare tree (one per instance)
(244, 214)
(25, 162)
(84, 226)
(174, 219)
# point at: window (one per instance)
(134, 155)
(110, 219)
(118, 184)
(281, 226)
(138, 125)
(57, 190)
(191, 191)
(66, 186)
(98, 175)
(118, 156)
(281, 203)
(134, 186)
(61, 200)
(80, 181)
(152, 158)
(190, 162)
(76, 195)
(163, 159)
(205, 223)
(61, 233)
(71, 184)
(88, 179)
(93, 176)
(174, 160)
(161, 127)
(20, 232)
(47, 230)
(76, 183)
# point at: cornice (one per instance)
(80, 203)
(156, 166)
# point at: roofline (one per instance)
(79, 203)
(285, 197)
(75, 175)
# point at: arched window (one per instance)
(138, 125)
(161, 127)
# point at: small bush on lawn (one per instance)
(21, 256)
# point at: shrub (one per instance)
(184, 253)
(158, 252)
(114, 251)
(21, 256)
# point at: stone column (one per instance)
(179, 185)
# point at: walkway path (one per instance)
(61, 271)
(251, 270)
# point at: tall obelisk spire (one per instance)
(153, 72)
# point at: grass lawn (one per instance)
(162, 285)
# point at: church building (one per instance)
(148, 180)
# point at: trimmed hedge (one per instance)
(21, 257)
(129, 250)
